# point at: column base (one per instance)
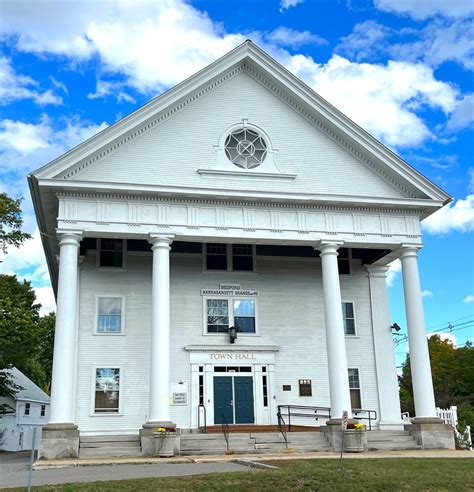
(58, 441)
(431, 433)
(147, 439)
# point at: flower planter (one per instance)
(165, 443)
(355, 440)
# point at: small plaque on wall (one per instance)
(179, 394)
(287, 387)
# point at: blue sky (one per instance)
(402, 69)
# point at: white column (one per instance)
(62, 385)
(419, 356)
(160, 331)
(386, 370)
(335, 339)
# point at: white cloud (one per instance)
(426, 293)
(457, 216)
(438, 42)
(463, 115)
(286, 4)
(45, 296)
(284, 36)
(380, 98)
(468, 299)
(14, 87)
(394, 269)
(421, 9)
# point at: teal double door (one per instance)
(233, 399)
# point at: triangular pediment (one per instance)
(176, 141)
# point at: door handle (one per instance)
(231, 402)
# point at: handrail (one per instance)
(306, 411)
(370, 415)
(199, 417)
(281, 421)
(225, 430)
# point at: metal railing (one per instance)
(316, 413)
(225, 430)
(305, 411)
(281, 426)
(370, 415)
(199, 417)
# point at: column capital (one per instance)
(408, 250)
(69, 237)
(160, 241)
(379, 271)
(327, 247)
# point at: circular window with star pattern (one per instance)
(245, 148)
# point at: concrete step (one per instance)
(393, 446)
(389, 439)
(109, 444)
(117, 438)
(388, 433)
(112, 452)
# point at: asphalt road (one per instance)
(14, 471)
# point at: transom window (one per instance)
(222, 313)
(348, 318)
(354, 387)
(245, 148)
(109, 317)
(107, 390)
(229, 257)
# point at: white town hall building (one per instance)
(222, 251)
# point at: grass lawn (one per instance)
(323, 474)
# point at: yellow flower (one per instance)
(360, 426)
(160, 429)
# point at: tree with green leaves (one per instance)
(11, 222)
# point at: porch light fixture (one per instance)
(395, 327)
(232, 334)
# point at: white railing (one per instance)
(449, 416)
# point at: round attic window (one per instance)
(245, 148)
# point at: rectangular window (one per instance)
(107, 390)
(354, 387)
(109, 317)
(349, 318)
(111, 253)
(222, 313)
(232, 257)
(305, 387)
(201, 389)
(216, 256)
(43, 410)
(242, 257)
(27, 408)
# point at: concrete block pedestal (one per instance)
(147, 437)
(59, 441)
(333, 432)
(431, 433)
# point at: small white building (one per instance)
(238, 199)
(29, 410)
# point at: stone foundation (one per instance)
(59, 441)
(431, 433)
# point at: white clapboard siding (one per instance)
(171, 152)
(290, 315)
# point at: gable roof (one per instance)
(30, 391)
(317, 109)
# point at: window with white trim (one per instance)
(229, 257)
(107, 390)
(109, 315)
(222, 313)
(111, 253)
(27, 408)
(354, 388)
(348, 318)
(43, 411)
